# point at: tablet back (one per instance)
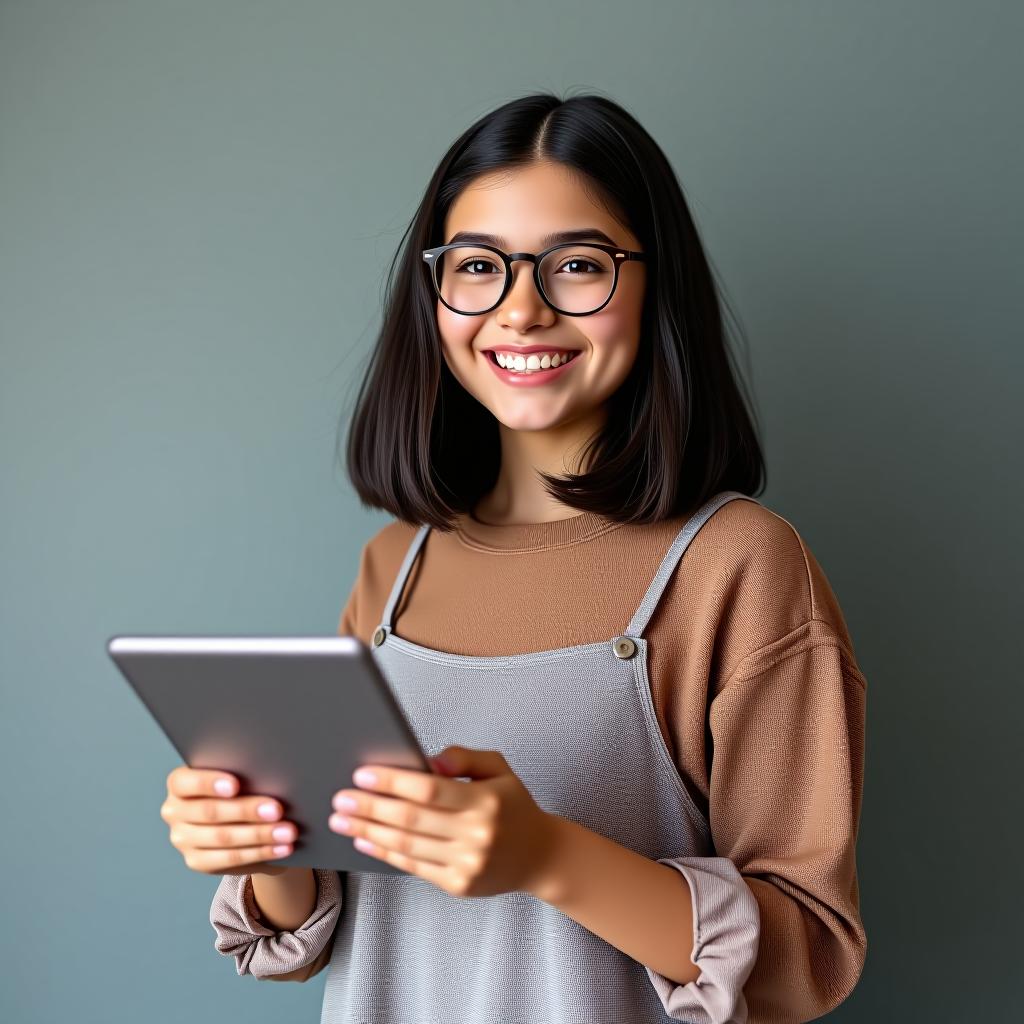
(291, 717)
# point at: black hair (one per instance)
(678, 429)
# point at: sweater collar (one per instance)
(474, 533)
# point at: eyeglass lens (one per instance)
(576, 279)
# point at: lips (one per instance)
(537, 376)
(527, 349)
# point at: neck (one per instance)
(519, 495)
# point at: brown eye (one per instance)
(577, 261)
(477, 261)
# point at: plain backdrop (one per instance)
(198, 205)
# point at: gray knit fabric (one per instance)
(578, 726)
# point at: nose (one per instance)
(524, 306)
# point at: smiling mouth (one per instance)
(525, 365)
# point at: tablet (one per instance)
(291, 717)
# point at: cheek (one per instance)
(457, 334)
(457, 331)
(614, 335)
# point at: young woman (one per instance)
(647, 699)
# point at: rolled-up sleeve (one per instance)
(778, 935)
(725, 937)
(259, 950)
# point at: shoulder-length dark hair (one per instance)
(678, 429)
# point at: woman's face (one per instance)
(520, 207)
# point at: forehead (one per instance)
(525, 204)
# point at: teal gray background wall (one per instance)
(198, 204)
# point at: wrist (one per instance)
(269, 870)
(554, 843)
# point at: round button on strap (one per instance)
(623, 647)
(378, 636)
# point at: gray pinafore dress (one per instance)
(577, 725)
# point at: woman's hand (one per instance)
(477, 838)
(218, 833)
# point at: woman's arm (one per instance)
(771, 928)
(638, 905)
(265, 951)
(285, 900)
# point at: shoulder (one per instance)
(379, 562)
(392, 538)
(383, 553)
(771, 581)
(752, 529)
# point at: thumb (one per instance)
(475, 764)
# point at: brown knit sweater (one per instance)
(748, 629)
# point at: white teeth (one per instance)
(533, 362)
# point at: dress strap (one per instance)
(682, 541)
(403, 572)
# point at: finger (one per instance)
(205, 811)
(404, 814)
(420, 787)
(473, 763)
(219, 837)
(218, 861)
(451, 877)
(439, 852)
(190, 782)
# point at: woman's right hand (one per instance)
(220, 833)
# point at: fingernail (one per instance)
(268, 811)
(283, 833)
(280, 851)
(224, 786)
(364, 777)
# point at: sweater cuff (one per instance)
(259, 950)
(726, 930)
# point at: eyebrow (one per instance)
(580, 235)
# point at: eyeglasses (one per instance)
(572, 279)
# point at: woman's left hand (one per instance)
(477, 838)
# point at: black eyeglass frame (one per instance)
(619, 256)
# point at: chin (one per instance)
(528, 420)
